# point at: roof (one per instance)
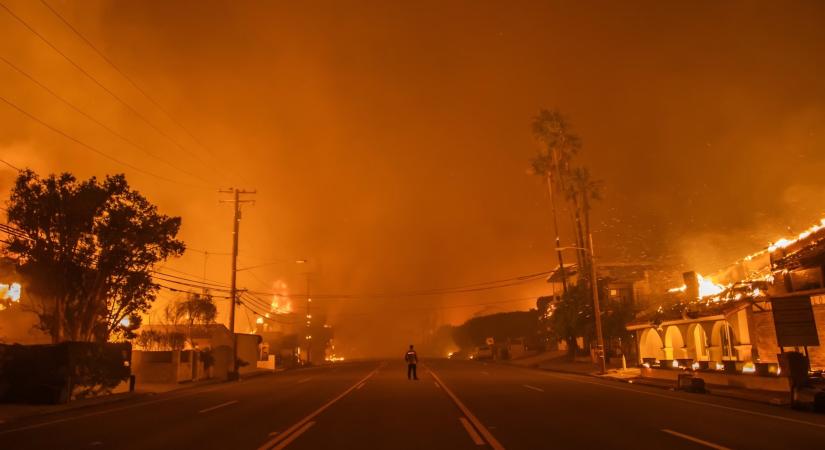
(197, 331)
(626, 272)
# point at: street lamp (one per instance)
(596, 309)
(308, 315)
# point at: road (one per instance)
(454, 405)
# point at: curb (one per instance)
(114, 398)
(643, 382)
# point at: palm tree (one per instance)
(553, 163)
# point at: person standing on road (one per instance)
(412, 359)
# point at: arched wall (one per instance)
(674, 343)
(650, 344)
(697, 343)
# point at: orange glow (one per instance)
(784, 242)
(10, 293)
(707, 287)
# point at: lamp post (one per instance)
(308, 314)
(596, 308)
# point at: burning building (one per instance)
(742, 317)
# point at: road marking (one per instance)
(695, 402)
(471, 431)
(360, 386)
(301, 424)
(304, 380)
(436, 384)
(696, 440)
(533, 387)
(485, 372)
(107, 411)
(293, 436)
(217, 406)
(470, 416)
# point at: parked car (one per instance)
(482, 352)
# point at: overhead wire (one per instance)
(10, 165)
(88, 146)
(98, 122)
(97, 82)
(125, 76)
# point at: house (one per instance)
(622, 282)
(753, 311)
(180, 353)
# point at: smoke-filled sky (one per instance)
(389, 141)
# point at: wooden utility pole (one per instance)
(594, 283)
(233, 289)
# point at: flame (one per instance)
(784, 242)
(281, 304)
(9, 293)
(707, 287)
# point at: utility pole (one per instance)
(556, 230)
(309, 324)
(233, 288)
(594, 282)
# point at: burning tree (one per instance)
(87, 248)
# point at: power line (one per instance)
(98, 122)
(520, 281)
(207, 284)
(189, 284)
(87, 146)
(125, 76)
(99, 84)
(10, 165)
(429, 308)
(184, 291)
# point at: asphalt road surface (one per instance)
(454, 405)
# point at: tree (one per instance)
(88, 248)
(499, 326)
(194, 309)
(552, 163)
(571, 317)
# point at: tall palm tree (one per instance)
(553, 162)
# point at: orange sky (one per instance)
(389, 142)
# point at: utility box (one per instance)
(794, 365)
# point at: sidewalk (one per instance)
(633, 376)
(13, 411)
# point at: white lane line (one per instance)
(694, 402)
(471, 431)
(436, 384)
(232, 402)
(470, 416)
(533, 387)
(696, 440)
(111, 410)
(360, 386)
(293, 436)
(268, 445)
(304, 380)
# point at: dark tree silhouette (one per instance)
(87, 248)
